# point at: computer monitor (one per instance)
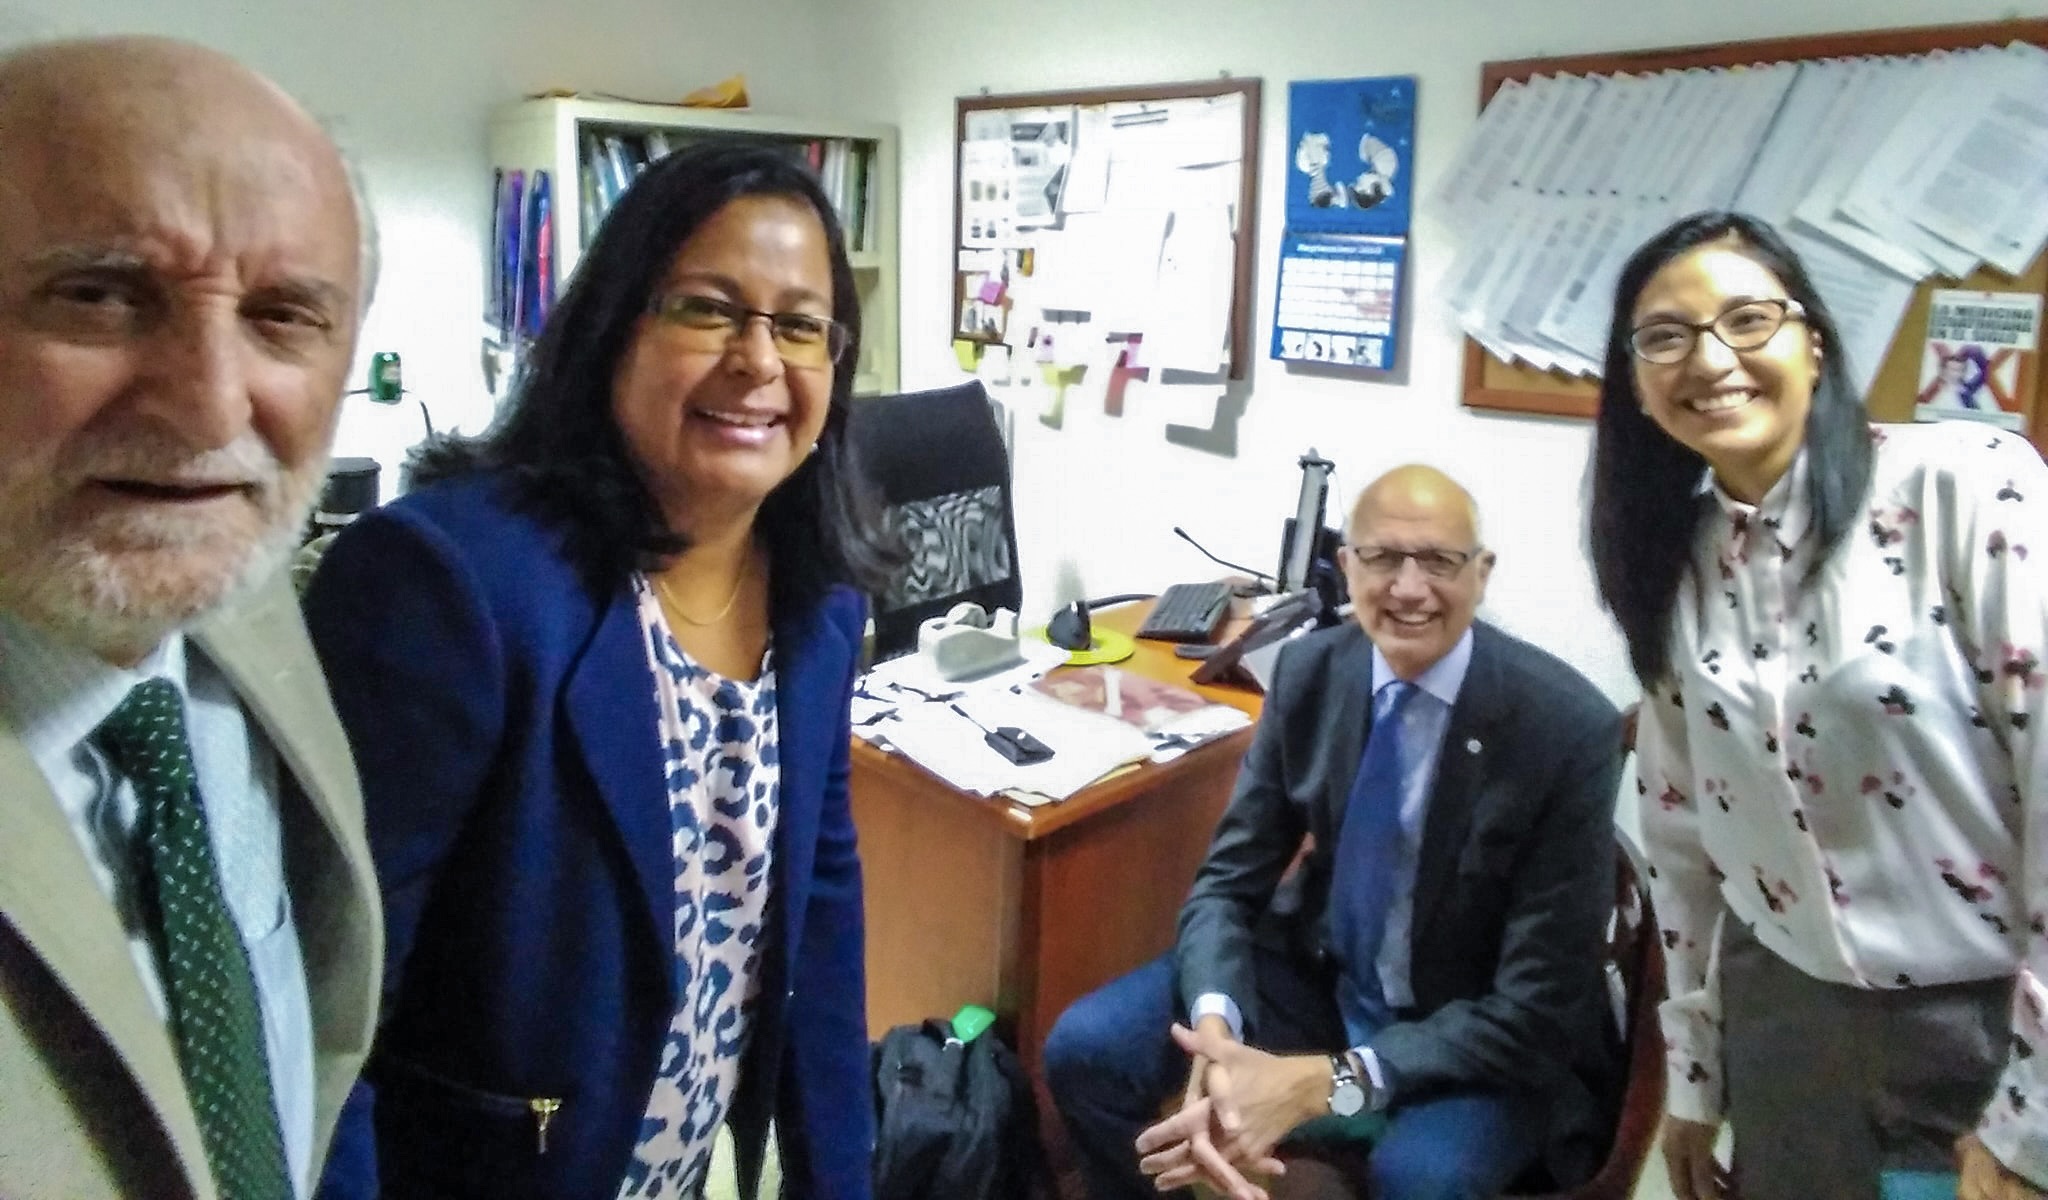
(1298, 548)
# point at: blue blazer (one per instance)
(503, 719)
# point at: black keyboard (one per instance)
(1188, 612)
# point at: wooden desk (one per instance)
(979, 901)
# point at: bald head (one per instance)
(77, 100)
(1414, 566)
(1416, 486)
(181, 283)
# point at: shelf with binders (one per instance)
(602, 146)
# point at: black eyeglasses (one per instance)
(1435, 562)
(708, 325)
(1744, 326)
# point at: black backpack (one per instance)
(953, 1120)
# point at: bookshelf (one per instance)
(596, 144)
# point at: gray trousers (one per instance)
(1830, 1085)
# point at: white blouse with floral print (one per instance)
(1853, 766)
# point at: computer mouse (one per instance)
(1069, 628)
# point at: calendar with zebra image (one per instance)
(1338, 302)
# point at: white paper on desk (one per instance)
(1191, 317)
(1866, 298)
(1984, 192)
(1085, 746)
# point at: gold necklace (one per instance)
(675, 606)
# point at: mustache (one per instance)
(149, 456)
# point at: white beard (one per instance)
(119, 582)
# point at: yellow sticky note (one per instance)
(967, 353)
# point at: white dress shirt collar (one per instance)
(1442, 680)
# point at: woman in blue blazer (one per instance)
(596, 676)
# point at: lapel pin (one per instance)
(1472, 745)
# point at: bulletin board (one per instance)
(1108, 215)
(1490, 383)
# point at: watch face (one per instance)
(1347, 1099)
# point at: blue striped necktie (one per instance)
(1368, 859)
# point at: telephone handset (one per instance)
(1230, 662)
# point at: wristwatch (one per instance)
(1347, 1094)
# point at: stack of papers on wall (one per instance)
(1880, 172)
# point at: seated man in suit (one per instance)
(1432, 968)
(189, 937)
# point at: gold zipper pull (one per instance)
(544, 1110)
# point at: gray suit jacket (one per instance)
(1513, 888)
(92, 1104)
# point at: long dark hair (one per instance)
(560, 445)
(1646, 513)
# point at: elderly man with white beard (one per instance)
(189, 935)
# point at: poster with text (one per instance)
(1978, 364)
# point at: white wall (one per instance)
(410, 86)
(1098, 497)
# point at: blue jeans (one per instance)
(1111, 1065)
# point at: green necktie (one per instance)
(215, 1017)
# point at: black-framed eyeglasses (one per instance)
(1744, 326)
(708, 324)
(1385, 561)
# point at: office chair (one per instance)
(944, 474)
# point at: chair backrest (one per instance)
(939, 460)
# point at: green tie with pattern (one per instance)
(215, 1017)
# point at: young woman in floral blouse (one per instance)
(1840, 634)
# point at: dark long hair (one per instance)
(1646, 514)
(560, 445)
